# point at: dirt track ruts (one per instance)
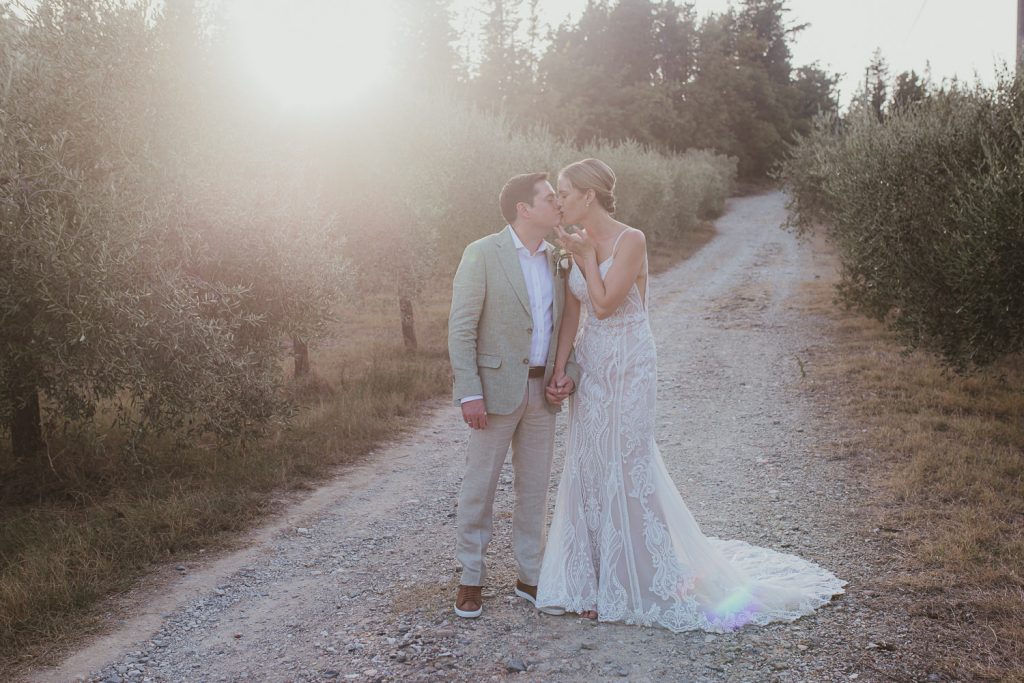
(356, 581)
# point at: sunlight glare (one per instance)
(313, 54)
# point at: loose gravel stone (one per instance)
(515, 665)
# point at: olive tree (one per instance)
(144, 261)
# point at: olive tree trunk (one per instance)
(408, 323)
(300, 350)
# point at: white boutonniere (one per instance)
(563, 261)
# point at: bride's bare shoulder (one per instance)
(633, 235)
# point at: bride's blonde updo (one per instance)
(593, 174)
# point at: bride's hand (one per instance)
(559, 387)
(578, 243)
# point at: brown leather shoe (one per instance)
(529, 593)
(469, 602)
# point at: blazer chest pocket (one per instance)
(486, 360)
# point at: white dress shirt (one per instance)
(537, 274)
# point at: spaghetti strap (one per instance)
(647, 283)
(647, 274)
(615, 246)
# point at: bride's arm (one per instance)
(608, 294)
(567, 330)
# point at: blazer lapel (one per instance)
(509, 260)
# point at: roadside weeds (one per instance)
(947, 451)
(100, 520)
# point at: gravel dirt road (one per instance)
(356, 581)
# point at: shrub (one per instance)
(927, 211)
(127, 273)
(422, 182)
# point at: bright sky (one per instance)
(310, 55)
(959, 38)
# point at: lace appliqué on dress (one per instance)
(622, 541)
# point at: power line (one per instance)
(913, 25)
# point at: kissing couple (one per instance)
(529, 330)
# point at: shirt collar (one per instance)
(544, 246)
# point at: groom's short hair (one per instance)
(519, 188)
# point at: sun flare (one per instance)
(312, 54)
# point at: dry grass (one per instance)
(949, 453)
(101, 519)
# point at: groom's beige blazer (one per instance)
(490, 325)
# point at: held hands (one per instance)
(559, 387)
(474, 414)
(578, 243)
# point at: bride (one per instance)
(622, 545)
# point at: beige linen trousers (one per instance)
(489, 333)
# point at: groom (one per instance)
(502, 333)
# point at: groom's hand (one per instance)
(559, 388)
(474, 413)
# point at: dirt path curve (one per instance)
(356, 582)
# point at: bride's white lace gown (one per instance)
(622, 541)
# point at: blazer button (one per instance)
(526, 361)
(529, 330)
